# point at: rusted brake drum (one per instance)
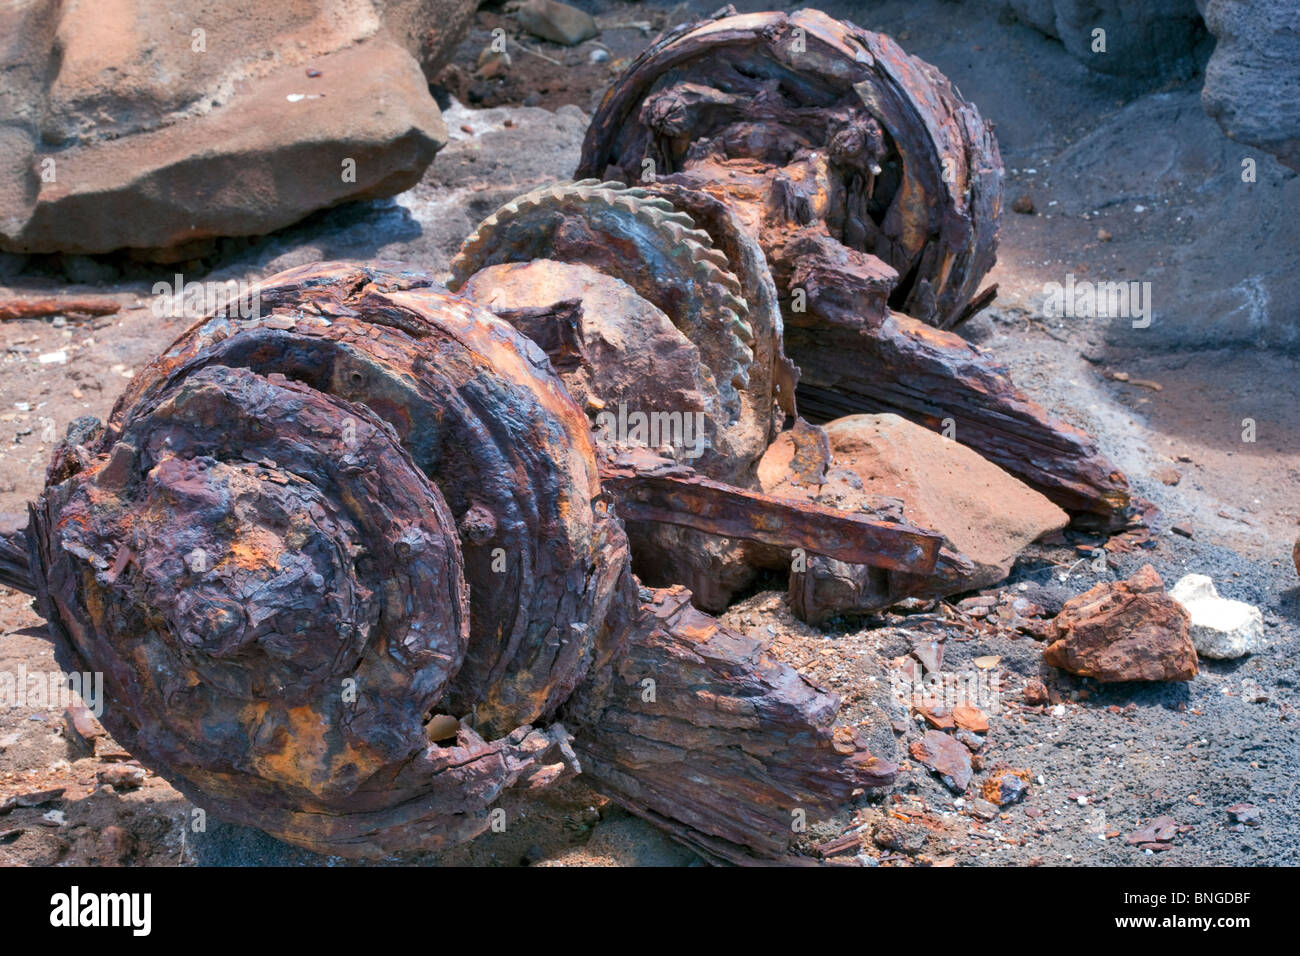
(300, 536)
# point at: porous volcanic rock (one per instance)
(1252, 82)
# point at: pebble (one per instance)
(557, 22)
(1246, 814)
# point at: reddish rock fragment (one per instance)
(1122, 631)
(940, 717)
(122, 776)
(970, 718)
(946, 757)
(115, 845)
(1160, 830)
(1245, 814)
(1035, 692)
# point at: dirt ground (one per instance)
(1101, 761)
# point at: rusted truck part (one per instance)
(813, 120)
(351, 577)
(534, 263)
(939, 380)
(720, 735)
(674, 495)
(647, 243)
(660, 300)
(874, 191)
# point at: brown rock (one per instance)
(939, 717)
(122, 776)
(33, 799)
(1158, 831)
(557, 22)
(901, 837)
(154, 132)
(970, 718)
(1128, 630)
(1168, 476)
(983, 513)
(1035, 692)
(114, 845)
(442, 727)
(946, 757)
(1295, 556)
(1023, 204)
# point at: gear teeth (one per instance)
(736, 302)
(713, 256)
(740, 326)
(715, 321)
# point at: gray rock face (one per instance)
(1148, 39)
(162, 124)
(1252, 82)
(1202, 295)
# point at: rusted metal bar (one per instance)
(678, 497)
(39, 308)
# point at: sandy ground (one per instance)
(1101, 760)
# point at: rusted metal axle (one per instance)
(359, 571)
(303, 540)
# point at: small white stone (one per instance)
(1221, 628)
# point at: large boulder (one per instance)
(1124, 631)
(1252, 82)
(982, 512)
(148, 125)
